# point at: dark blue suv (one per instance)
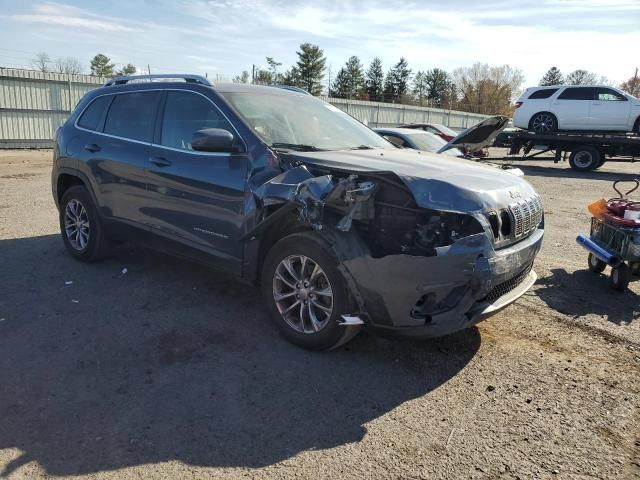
(341, 229)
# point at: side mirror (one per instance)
(213, 140)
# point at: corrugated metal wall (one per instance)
(377, 114)
(33, 104)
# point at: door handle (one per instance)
(160, 161)
(92, 147)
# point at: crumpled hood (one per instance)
(437, 182)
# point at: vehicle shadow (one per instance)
(172, 361)
(542, 171)
(583, 292)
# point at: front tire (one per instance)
(543, 122)
(595, 264)
(306, 294)
(80, 226)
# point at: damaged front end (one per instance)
(412, 270)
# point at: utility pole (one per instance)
(148, 69)
(253, 73)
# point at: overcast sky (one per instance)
(225, 37)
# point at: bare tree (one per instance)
(41, 62)
(68, 65)
(487, 89)
(632, 86)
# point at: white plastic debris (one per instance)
(75, 301)
(69, 282)
(124, 271)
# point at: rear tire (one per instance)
(80, 225)
(595, 264)
(288, 281)
(620, 277)
(585, 158)
(543, 122)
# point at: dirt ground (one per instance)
(171, 370)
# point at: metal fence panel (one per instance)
(33, 104)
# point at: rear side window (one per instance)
(93, 113)
(544, 93)
(132, 115)
(184, 114)
(577, 93)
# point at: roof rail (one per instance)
(121, 80)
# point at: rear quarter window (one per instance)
(540, 94)
(92, 115)
(577, 93)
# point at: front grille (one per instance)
(505, 287)
(527, 215)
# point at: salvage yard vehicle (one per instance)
(561, 107)
(340, 228)
(416, 139)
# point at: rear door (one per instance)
(197, 197)
(119, 155)
(609, 110)
(571, 108)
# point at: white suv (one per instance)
(548, 109)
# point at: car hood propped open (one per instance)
(479, 136)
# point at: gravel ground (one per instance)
(171, 370)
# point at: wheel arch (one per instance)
(67, 178)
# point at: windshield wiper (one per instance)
(296, 146)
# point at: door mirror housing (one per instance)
(213, 140)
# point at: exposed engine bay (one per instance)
(377, 206)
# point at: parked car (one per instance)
(416, 139)
(447, 134)
(442, 131)
(427, 142)
(562, 107)
(340, 228)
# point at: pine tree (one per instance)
(310, 68)
(341, 85)
(273, 69)
(389, 93)
(101, 66)
(552, 77)
(438, 86)
(375, 80)
(128, 69)
(355, 77)
(396, 84)
(420, 87)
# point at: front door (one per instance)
(609, 110)
(197, 198)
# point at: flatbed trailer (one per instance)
(585, 150)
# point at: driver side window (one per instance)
(184, 114)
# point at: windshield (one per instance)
(445, 130)
(431, 143)
(290, 121)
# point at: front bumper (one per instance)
(464, 284)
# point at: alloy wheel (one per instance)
(303, 294)
(76, 224)
(542, 123)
